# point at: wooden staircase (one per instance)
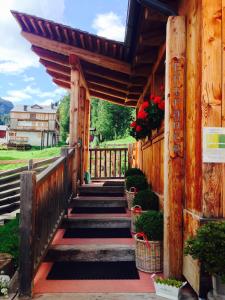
(80, 250)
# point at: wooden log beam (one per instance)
(145, 58)
(174, 147)
(152, 38)
(108, 98)
(111, 92)
(55, 67)
(51, 56)
(92, 57)
(61, 77)
(153, 16)
(62, 84)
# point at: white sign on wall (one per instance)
(214, 144)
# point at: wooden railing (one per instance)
(44, 200)
(10, 184)
(108, 162)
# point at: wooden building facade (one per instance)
(34, 125)
(176, 43)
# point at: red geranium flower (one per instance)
(157, 99)
(142, 114)
(145, 104)
(138, 128)
(152, 97)
(161, 105)
(133, 124)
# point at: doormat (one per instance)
(85, 270)
(98, 210)
(84, 233)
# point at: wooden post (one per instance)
(74, 106)
(27, 238)
(87, 134)
(30, 164)
(64, 152)
(211, 101)
(174, 147)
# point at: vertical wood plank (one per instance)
(211, 101)
(223, 96)
(27, 234)
(173, 147)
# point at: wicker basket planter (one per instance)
(136, 211)
(130, 197)
(149, 255)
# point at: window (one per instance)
(33, 116)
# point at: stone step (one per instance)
(110, 191)
(113, 202)
(91, 253)
(97, 222)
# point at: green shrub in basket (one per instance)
(133, 171)
(137, 181)
(151, 224)
(147, 199)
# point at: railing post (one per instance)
(64, 152)
(27, 238)
(30, 164)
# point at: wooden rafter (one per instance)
(55, 67)
(62, 84)
(109, 98)
(60, 47)
(59, 76)
(51, 56)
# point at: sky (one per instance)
(22, 79)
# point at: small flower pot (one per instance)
(165, 290)
(148, 255)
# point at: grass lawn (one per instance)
(126, 140)
(26, 155)
(9, 239)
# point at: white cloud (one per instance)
(15, 53)
(28, 78)
(109, 25)
(35, 95)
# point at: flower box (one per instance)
(165, 290)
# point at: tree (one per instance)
(64, 116)
(110, 120)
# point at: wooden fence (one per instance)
(108, 162)
(44, 199)
(10, 184)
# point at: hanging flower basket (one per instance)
(149, 117)
(136, 211)
(149, 254)
(130, 196)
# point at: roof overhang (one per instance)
(111, 70)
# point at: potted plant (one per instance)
(4, 285)
(143, 201)
(167, 287)
(208, 246)
(133, 171)
(148, 242)
(133, 185)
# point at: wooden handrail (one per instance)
(44, 201)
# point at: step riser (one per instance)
(98, 203)
(95, 223)
(100, 194)
(92, 255)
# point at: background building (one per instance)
(35, 125)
